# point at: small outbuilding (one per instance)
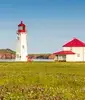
(74, 50)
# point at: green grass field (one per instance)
(42, 81)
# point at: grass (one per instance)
(42, 81)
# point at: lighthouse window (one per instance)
(20, 28)
(22, 46)
(18, 38)
(17, 55)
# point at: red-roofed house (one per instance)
(74, 50)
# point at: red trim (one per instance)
(63, 53)
(74, 43)
(21, 31)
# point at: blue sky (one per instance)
(50, 23)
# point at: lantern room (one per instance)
(21, 27)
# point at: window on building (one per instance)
(22, 46)
(71, 48)
(17, 38)
(78, 55)
(17, 55)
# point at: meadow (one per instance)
(42, 81)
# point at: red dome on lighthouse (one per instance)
(21, 24)
(21, 27)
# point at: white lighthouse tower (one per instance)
(21, 50)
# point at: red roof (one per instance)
(63, 53)
(21, 24)
(74, 43)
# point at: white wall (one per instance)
(23, 50)
(84, 53)
(18, 47)
(20, 50)
(70, 58)
(79, 53)
(67, 48)
(55, 58)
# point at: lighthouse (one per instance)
(21, 50)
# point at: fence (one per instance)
(36, 60)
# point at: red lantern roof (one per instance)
(63, 53)
(21, 24)
(74, 43)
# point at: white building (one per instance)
(73, 51)
(21, 50)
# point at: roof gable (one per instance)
(74, 43)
